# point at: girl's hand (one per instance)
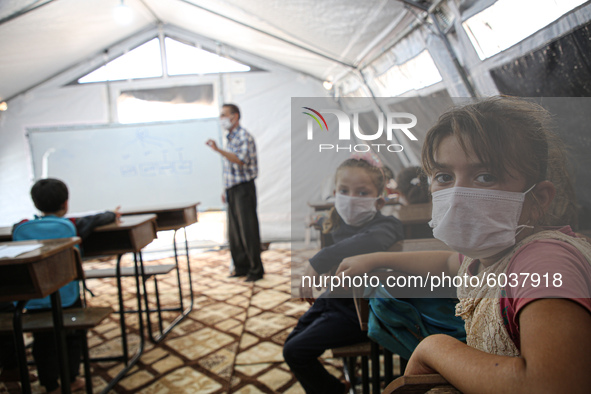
(117, 212)
(355, 265)
(307, 293)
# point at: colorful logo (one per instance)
(315, 118)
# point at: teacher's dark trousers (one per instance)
(243, 229)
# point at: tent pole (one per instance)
(24, 11)
(163, 60)
(459, 68)
(405, 159)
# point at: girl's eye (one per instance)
(486, 178)
(443, 178)
(343, 191)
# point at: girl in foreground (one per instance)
(498, 178)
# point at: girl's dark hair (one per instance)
(49, 195)
(378, 175)
(509, 135)
(413, 184)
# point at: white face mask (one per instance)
(355, 211)
(477, 223)
(226, 123)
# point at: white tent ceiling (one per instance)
(324, 39)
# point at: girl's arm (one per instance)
(413, 263)
(555, 347)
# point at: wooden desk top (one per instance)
(126, 223)
(40, 272)
(48, 248)
(414, 214)
(325, 205)
(170, 218)
(130, 235)
(409, 384)
(159, 208)
(418, 245)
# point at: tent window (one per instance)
(508, 22)
(162, 104)
(141, 62)
(417, 73)
(185, 59)
(145, 62)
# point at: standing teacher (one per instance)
(240, 171)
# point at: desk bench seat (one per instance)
(74, 319)
(149, 270)
(359, 349)
(419, 384)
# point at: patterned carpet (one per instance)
(230, 343)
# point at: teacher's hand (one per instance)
(212, 144)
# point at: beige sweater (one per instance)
(480, 306)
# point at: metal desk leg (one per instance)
(365, 374)
(19, 342)
(60, 339)
(86, 356)
(388, 367)
(184, 313)
(178, 272)
(375, 368)
(121, 311)
(139, 275)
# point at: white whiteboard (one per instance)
(135, 166)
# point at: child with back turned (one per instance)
(498, 180)
(50, 196)
(356, 226)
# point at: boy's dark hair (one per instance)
(233, 109)
(49, 195)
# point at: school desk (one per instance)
(415, 220)
(36, 274)
(130, 235)
(172, 218)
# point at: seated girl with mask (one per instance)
(356, 227)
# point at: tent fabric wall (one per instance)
(299, 43)
(562, 68)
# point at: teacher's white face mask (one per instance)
(477, 223)
(226, 123)
(355, 211)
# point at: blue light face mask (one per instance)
(477, 223)
(355, 211)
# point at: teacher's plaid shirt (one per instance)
(241, 143)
